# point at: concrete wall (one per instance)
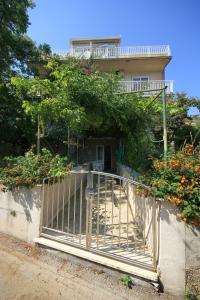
(179, 250)
(20, 212)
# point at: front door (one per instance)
(107, 158)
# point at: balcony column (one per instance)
(164, 123)
(91, 49)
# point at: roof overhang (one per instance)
(137, 64)
(112, 39)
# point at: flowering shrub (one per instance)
(178, 181)
(31, 169)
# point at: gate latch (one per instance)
(89, 192)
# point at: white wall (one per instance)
(20, 212)
(179, 249)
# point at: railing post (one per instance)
(89, 197)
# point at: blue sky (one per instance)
(139, 22)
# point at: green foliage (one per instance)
(178, 181)
(77, 95)
(13, 213)
(179, 123)
(31, 169)
(16, 47)
(17, 131)
(180, 126)
(127, 281)
(146, 143)
(45, 48)
(189, 295)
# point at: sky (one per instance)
(139, 22)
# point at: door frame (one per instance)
(103, 154)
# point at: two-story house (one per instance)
(143, 70)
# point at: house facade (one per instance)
(142, 69)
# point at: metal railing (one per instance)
(120, 52)
(150, 86)
(103, 213)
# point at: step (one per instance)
(108, 262)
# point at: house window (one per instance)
(140, 83)
(100, 153)
(140, 78)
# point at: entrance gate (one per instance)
(103, 213)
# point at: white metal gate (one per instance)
(103, 213)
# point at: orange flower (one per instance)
(174, 199)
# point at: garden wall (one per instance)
(20, 212)
(179, 259)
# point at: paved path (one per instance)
(29, 273)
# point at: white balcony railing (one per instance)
(149, 87)
(120, 52)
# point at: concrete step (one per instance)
(108, 262)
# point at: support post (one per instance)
(68, 152)
(38, 136)
(164, 123)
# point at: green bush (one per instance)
(178, 181)
(31, 169)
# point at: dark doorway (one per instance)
(107, 158)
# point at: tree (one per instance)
(16, 130)
(15, 46)
(77, 95)
(179, 123)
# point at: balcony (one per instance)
(149, 87)
(120, 52)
